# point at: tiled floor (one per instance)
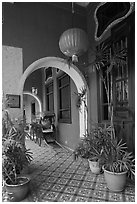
(56, 177)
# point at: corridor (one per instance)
(56, 177)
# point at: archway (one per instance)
(36, 97)
(72, 71)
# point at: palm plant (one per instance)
(91, 146)
(15, 156)
(82, 98)
(106, 57)
(114, 153)
(117, 159)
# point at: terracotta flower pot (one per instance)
(115, 181)
(18, 192)
(94, 166)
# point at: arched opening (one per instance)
(75, 75)
(36, 98)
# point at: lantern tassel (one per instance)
(74, 58)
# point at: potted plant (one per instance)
(118, 163)
(91, 147)
(114, 154)
(36, 132)
(15, 157)
(117, 160)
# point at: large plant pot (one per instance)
(18, 192)
(115, 181)
(94, 167)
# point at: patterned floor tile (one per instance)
(51, 168)
(45, 185)
(46, 173)
(81, 199)
(56, 177)
(56, 174)
(83, 168)
(57, 187)
(51, 196)
(51, 179)
(100, 179)
(65, 198)
(73, 165)
(64, 167)
(78, 177)
(129, 198)
(99, 194)
(84, 192)
(96, 200)
(116, 197)
(130, 190)
(80, 171)
(66, 175)
(70, 189)
(87, 184)
(40, 179)
(60, 170)
(62, 180)
(90, 178)
(101, 186)
(74, 183)
(69, 170)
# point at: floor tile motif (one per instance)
(70, 189)
(87, 184)
(65, 197)
(129, 198)
(84, 192)
(81, 199)
(56, 177)
(115, 197)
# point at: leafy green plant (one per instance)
(14, 158)
(114, 153)
(99, 146)
(81, 97)
(106, 60)
(91, 146)
(116, 157)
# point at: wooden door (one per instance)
(123, 36)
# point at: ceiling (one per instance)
(83, 4)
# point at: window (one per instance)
(33, 111)
(119, 77)
(64, 99)
(49, 97)
(48, 73)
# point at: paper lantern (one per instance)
(73, 43)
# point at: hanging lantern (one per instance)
(73, 43)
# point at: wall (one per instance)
(92, 77)
(69, 133)
(126, 131)
(34, 80)
(36, 27)
(93, 98)
(11, 74)
(27, 100)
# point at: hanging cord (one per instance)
(72, 7)
(72, 10)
